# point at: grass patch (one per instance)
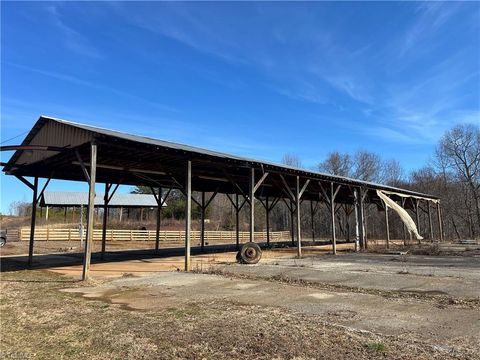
(378, 347)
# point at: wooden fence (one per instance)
(47, 234)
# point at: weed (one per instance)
(378, 347)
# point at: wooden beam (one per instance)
(160, 203)
(417, 216)
(440, 224)
(387, 227)
(90, 212)
(361, 213)
(332, 210)
(324, 192)
(259, 183)
(82, 165)
(430, 225)
(25, 181)
(287, 188)
(267, 220)
(211, 198)
(312, 213)
(202, 220)
(199, 204)
(298, 194)
(113, 192)
(274, 203)
(304, 188)
(357, 218)
(105, 216)
(43, 189)
(33, 219)
(234, 183)
(188, 214)
(237, 222)
(252, 204)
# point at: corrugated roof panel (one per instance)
(77, 130)
(71, 198)
(54, 132)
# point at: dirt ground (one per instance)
(353, 305)
(50, 247)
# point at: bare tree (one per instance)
(19, 208)
(392, 173)
(367, 166)
(291, 160)
(459, 151)
(337, 164)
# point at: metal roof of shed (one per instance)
(138, 160)
(75, 199)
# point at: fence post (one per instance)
(131, 235)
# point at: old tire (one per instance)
(250, 253)
(3, 241)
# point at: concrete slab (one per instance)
(409, 318)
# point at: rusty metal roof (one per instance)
(76, 199)
(139, 160)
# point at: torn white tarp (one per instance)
(386, 192)
(407, 220)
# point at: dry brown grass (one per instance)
(41, 322)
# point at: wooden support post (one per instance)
(403, 225)
(440, 224)
(105, 218)
(237, 222)
(387, 226)
(365, 225)
(159, 219)
(46, 213)
(252, 204)
(357, 216)
(332, 210)
(292, 223)
(65, 214)
(267, 220)
(417, 215)
(90, 212)
(430, 224)
(188, 214)
(299, 232)
(202, 225)
(312, 220)
(120, 214)
(362, 219)
(32, 223)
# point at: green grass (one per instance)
(378, 347)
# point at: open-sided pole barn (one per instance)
(59, 149)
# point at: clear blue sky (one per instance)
(255, 79)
